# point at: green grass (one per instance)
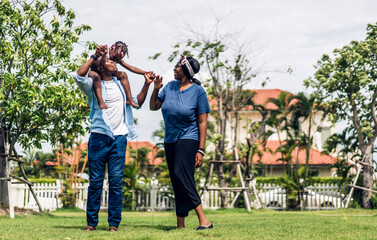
(228, 224)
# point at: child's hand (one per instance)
(148, 77)
(158, 82)
(151, 75)
(101, 50)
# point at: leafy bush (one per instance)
(68, 199)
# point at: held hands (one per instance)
(149, 77)
(152, 77)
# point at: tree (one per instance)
(160, 134)
(345, 146)
(304, 108)
(140, 156)
(278, 120)
(346, 85)
(291, 111)
(30, 156)
(229, 69)
(38, 98)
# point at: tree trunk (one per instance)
(221, 153)
(4, 201)
(367, 177)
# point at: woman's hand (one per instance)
(198, 160)
(158, 82)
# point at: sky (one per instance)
(282, 34)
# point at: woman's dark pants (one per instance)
(180, 157)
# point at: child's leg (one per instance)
(98, 91)
(127, 90)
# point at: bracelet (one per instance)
(94, 57)
(201, 152)
(202, 149)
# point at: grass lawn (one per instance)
(228, 224)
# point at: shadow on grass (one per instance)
(158, 227)
(100, 228)
(104, 228)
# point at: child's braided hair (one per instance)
(120, 46)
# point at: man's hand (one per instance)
(101, 50)
(198, 160)
(149, 76)
(158, 82)
(152, 75)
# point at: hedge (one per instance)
(275, 180)
(50, 180)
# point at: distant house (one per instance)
(69, 159)
(319, 164)
(152, 159)
(248, 115)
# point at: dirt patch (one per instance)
(17, 211)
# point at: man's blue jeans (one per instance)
(104, 149)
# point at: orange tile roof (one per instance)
(69, 158)
(151, 155)
(133, 145)
(261, 97)
(315, 157)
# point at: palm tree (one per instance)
(345, 146)
(30, 156)
(279, 120)
(160, 134)
(140, 156)
(304, 109)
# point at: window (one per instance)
(325, 133)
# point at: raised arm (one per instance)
(131, 68)
(144, 91)
(83, 70)
(155, 103)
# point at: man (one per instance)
(110, 129)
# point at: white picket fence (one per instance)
(318, 196)
(48, 196)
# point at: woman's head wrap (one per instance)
(190, 67)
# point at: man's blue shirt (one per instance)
(180, 110)
(98, 119)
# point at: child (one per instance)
(116, 53)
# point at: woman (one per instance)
(184, 106)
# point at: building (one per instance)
(271, 166)
(318, 162)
